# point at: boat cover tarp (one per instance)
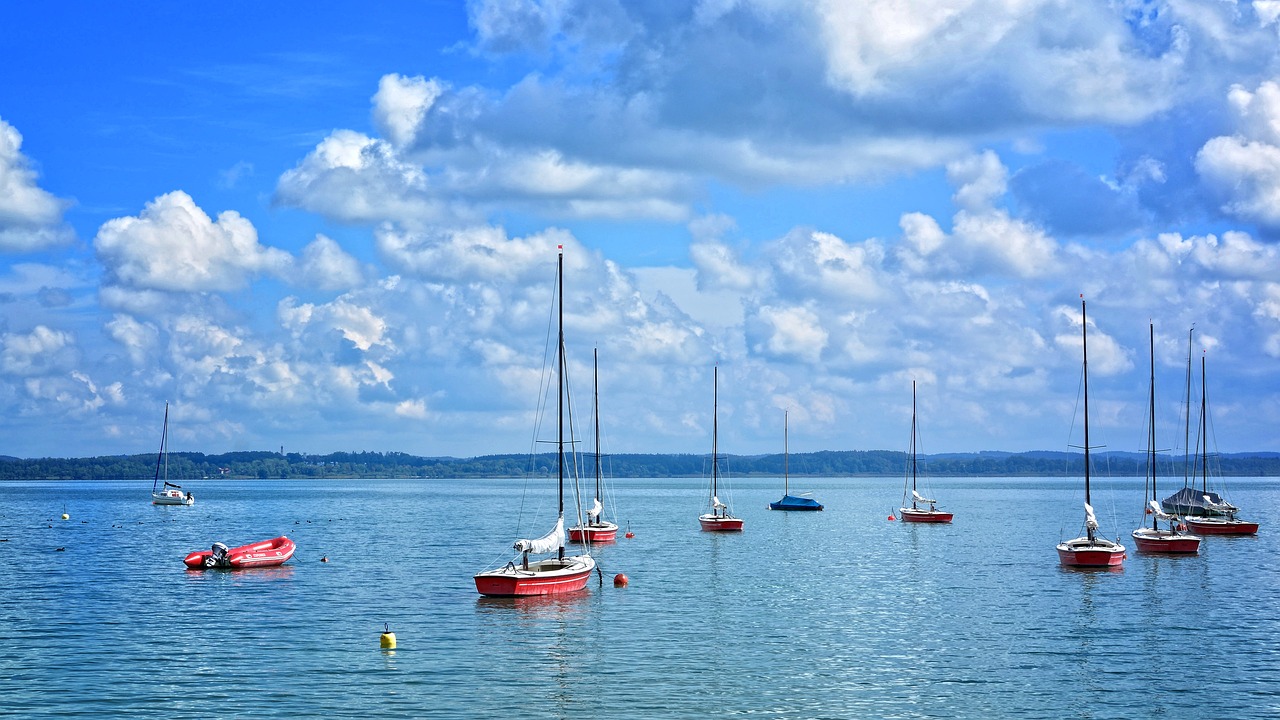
(791, 502)
(550, 542)
(1191, 501)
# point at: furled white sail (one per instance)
(1090, 520)
(596, 509)
(1220, 507)
(1159, 512)
(715, 503)
(550, 542)
(919, 499)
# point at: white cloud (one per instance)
(30, 217)
(325, 265)
(401, 104)
(140, 339)
(1243, 170)
(39, 352)
(174, 246)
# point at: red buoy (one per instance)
(619, 580)
(630, 534)
(891, 518)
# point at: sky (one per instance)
(322, 227)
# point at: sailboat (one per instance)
(562, 573)
(1090, 550)
(1223, 521)
(1191, 500)
(719, 519)
(917, 513)
(789, 501)
(168, 493)
(596, 529)
(1154, 539)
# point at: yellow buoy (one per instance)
(66, 516)
(388, 639)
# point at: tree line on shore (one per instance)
(265, 465)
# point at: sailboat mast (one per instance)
(164, 441)
(786, 452)
(1084, 343)
(560, 398)
(913, 442)
(1204, 434)
(1151, 436)
(715, 429)
(595, 367)
(1186, 434)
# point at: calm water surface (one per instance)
(838, 614)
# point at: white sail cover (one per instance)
(917, 497)
(1159, 512)
(596, 509)
(550, 542)
(1090, 520)
(715, 503)
(1220, 507)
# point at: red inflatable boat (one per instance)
(267, 553)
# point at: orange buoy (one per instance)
(620, 580)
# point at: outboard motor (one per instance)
(218, 558)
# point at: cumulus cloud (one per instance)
(325, 265)
(1243, 170)
(174, 246)
(30, 217)
(401, 104)
(39, 352)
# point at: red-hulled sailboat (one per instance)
(923, 509)
(559, 574)
(596, 529)
(719, 519)
(1091, 550)
(1223, 520)
(1170, 539)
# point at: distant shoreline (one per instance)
(847, 463)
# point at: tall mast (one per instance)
(560, 398)
(715, 407)
(162, 457)
(1084, 338)
(913, 441)
(595, 366)
(1186, 435)
(786, 452)
(1151, 436)
(1204, 434)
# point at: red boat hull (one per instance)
(924, 516)
(721, 524)
(513, 582)
(1079, 554)
(267, 553)
(593, 535)
(1177, 544)
(1207, 526)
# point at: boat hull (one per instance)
(1164, 541)
(545, 577)
(268, 553)
(1082, 552)
(914, 515)
(172, 497)
(720, 523)
(791, 502)
(594, 534)
(1221, 526)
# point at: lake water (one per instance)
(838, 614)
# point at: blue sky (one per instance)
(324, 228)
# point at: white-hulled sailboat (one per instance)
(719, 519)
(167, 493)
(1091, 550)
(1155, 539)
(553, 575)
(596, 529)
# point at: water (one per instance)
(836, 614)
